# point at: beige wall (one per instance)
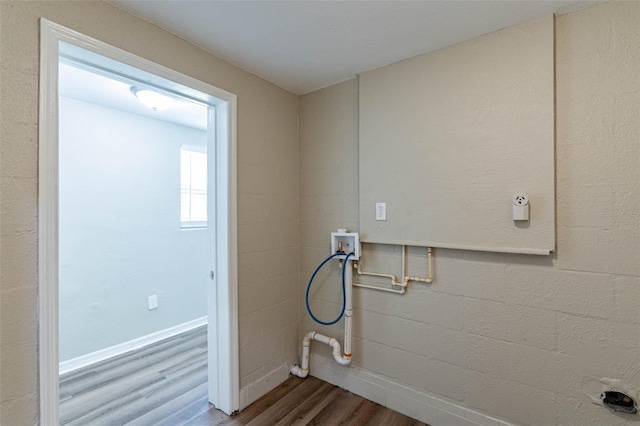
(462, 130)
(492, 328)
(520, 337)
(267, 187)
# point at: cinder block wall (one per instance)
(518, 337)
(267, 190)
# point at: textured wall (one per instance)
(520, 337)
(462, 130)
(267, 186)
(328, 197)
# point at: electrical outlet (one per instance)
(520, 200)
(152, 301)
(381, 211)
(520, 207)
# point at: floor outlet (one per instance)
(153, 302)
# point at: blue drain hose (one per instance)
(344, 294)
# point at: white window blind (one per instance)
(193, 188)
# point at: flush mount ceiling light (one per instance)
(151, 99)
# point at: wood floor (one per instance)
(165, 384)
(308, 401)
(143, 387)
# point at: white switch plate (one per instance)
(153, 302)
(381, 211)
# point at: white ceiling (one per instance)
(80, 84)
(303, 46)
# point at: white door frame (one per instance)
(222, 303)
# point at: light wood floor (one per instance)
(165, 384)
(144, 387)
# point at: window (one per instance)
(193, 187)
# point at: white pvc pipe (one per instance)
(342, 358)
(429, 279)
(374, 287)
(393, 278)
(404, 264)
(418, 279)
(348, 309)
(303, 370)
(394, 281)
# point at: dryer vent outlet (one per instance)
(619, 402)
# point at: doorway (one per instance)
(220, 277)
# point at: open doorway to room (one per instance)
(138, 280)
(133, 249)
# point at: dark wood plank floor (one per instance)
(165, 384)
(308, 401)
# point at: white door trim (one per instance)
(223, 311)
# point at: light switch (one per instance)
(381, 211)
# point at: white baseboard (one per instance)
(427, 408)
(263, 385)
(122, 348)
